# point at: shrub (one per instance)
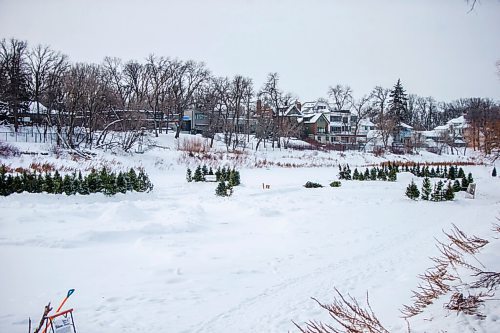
(221, 189)
(335, 183)
(312, 185)
(7, 150)
(494, 172)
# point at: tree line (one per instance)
(89, 102)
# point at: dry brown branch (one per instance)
(348, 313)
(470, 245)
(488, 280)
(44, 317)
(468, 305)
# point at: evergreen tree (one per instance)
(223, 174)
(3, 180)
(189, 176)
(398, 104)
(470, 180)
(84, 185)
(451, 173)
(426, 188)
(381, 175)
(437, 194)
(393, 176)
(145, 183)
(348, 173)
(494, 172)
(121, 183)
(461, 173)
(221, 189)
(373, 174)
(67, 185)
(17, 185)
(355, 175)
(465, 184)
(133, 184)
(93, 183)
(366, 175)
(218, 174)
(39, 183)
(432, 173)
(198, 175)
(204, 170)
(210, 171)
(48, 184)
(412, 191)
(456, 186)
(57, 183)
(234, 178)
(108, 183)
(449, 193)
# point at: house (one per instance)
(316, 127)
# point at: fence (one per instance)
(28, 137)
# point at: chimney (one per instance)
(259, 106)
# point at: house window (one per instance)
(354, 118)
(336, 129)
(336, 119)
(345, 120)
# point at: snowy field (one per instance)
(180, 259)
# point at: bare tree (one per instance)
(42, 62)
(15, 72)
(188, 79)
(277, 100)
(362, 109)
(341, 96)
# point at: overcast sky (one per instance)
(436, 47)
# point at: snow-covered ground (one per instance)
(180, 259)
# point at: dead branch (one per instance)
(488, 280)
(46, 311)
(349, 314)
(468, 305)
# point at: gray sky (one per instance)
(435, 46)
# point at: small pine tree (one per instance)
(437, 194)
(426, 188)
(204, 170)
(218, 174)
(221, 189)
(464, 184)
(348, 173)
(456, 186)
(3, 180)
(366, 174)
(189, 176)
(412, 191)
(355, 175)
(57, 183)
(432, 173)
(393, 175)
(198, 175)
(67, 185)
(381, 175)
(373, 174)
(133, 184)
(210, 171)
(121, 183)
(449, 193)
(451, 173)
(48, 184)
(494, 172)
(470, 180)
(234, 178)
(17, 185)
(461, 173)
(93, 181)
(223, 174)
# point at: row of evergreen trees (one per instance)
(384, 173)
(453, 172)
(106, 182)
(438, 193)
(232, 176)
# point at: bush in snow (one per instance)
(223, 190)
(7, 150)
(312, 185)
(494, 172)
(335, 183)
